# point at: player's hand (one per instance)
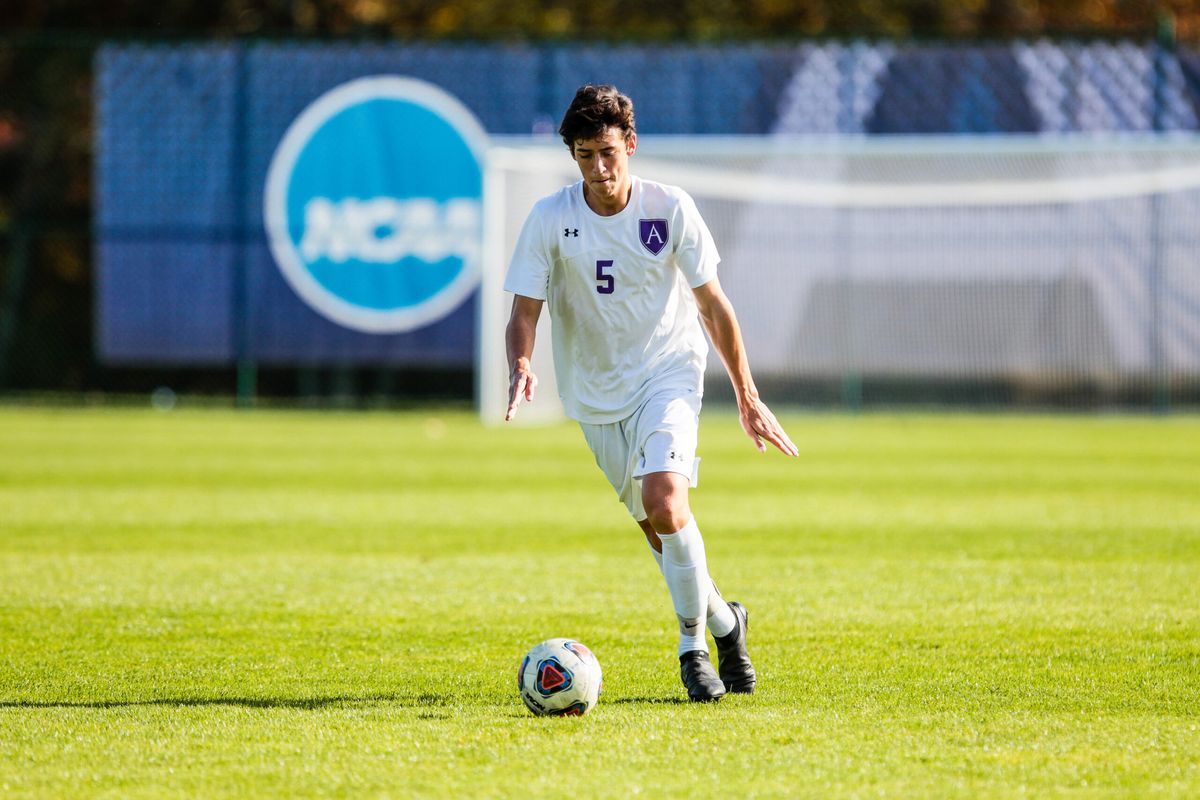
(761, 426)
(521, 385)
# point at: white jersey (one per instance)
(624, 319)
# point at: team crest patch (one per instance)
(653, 234)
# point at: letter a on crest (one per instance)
(653, 234)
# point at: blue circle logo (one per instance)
(373, 204)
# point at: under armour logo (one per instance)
(571, 232)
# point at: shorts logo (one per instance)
(373, 204)
(653, 234)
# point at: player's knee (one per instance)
(666, 508)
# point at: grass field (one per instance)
(219, 604)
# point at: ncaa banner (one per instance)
(373, 204)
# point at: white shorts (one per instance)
(660, 436)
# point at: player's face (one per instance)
(604, 164)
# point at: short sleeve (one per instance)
(529, 270)
(696, 252)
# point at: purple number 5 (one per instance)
(604, 281)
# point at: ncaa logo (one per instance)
(373, 204)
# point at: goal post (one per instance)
(1044, 265)
(516, 175)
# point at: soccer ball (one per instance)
(559, 678)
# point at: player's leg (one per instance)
(684, 565)
(666, 435)
(721, 620)
(664, 496)
(621, 459)
(670, 448)
(683, 562)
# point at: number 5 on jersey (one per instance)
(604, 282)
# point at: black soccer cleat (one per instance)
(737, 673)
(699, 677)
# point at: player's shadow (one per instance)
(646, 701)
(302, 703)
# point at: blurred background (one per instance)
(136, 138)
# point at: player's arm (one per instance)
(716, 313)
(518, 341)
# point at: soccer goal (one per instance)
(1032, 265)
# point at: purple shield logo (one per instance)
(653, 234)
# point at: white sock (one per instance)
(720, 616)
(721, 620)
(686, 572)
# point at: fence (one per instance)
(179, 276)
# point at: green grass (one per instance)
(219, 604)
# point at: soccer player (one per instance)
(629, 270)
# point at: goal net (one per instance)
(1005, 269)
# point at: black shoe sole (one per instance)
(715, 699)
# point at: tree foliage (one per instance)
(680, 19)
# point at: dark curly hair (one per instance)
(594, 109)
